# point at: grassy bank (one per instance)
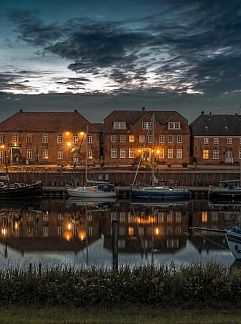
(163, 287)
(20, 314)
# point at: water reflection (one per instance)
(79, 233)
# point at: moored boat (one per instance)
(229, 189)
(20, 190)
(160, 192)
(89, 192)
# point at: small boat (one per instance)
(233, 237)
(20, 190)
(89, 192)
(160, 192)
(229, 189)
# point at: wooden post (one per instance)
(115, 227)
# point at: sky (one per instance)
(100, 55)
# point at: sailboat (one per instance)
(91, 189)
(156, 191)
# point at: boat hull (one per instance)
(160, 194)
(234, 243)
(72, 192)
(22, 191)
(225, 194)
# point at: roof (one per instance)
(131, 117)
(216, 125)
(46, 122)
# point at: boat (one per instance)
(92, 189)
(156, 190)
(229, 189)
(233, 237)
(20, 190)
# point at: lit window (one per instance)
(60, 154)
(119, 125)
(179, 139)
(161, 139)
(205, 140)
(142, 138)
(89, 153)
(170, 138)
(179, 153)
(205, 154)
(229, 140)
(122, 153)
(161, 154)
(45, 138)
(216, 140)
(90, 138)
(75, 138)
(130, 231)
(113, 138)
(131, 153)
(122, 138)
(29, 154)
(215, 154)
(29, 138)
(131, 138)
(146, 125)
(14, 137)
(59, 138)
(45, 154)
(114, 153)
(204, 217)
(170, 154)
(150, 138)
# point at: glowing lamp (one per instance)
(69, 144)
(82, 133)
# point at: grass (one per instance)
(35, 315)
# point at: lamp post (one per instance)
(69, 145)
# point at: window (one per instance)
(150, 138)
(45, 231)
(161, 154)
(60, 154)
(170, 138)
(130, 231)
(114, 153)
(205, 154)
(229, 140)
(179, 139)
(75, 138)
(146, 125)
(59, 138)
(142, 138)
(122, 231)
(89, 153)
(29, 154)
(44, 154)
(122, 138)
(215, 154)
(119, 125)
(131, 153)
(90, 138)
(45, 138)
(205, 140)
(179, 153)
(113, 138)
(204, 216)
(216, 140)
(122, 153)
(170, 125)
(29, 138)
(177, 125)
(174, 125)
(60, 230)
(161, 139)
(170, 154)
(131, 138)
(14, 137)
(2, 138)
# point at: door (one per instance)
(229, 157)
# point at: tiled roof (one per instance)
(131, 117)
(216, 125)
(46, 122)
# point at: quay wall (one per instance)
(125, 177)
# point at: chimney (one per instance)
(143, 108)
(210, 114)
(75, 110)
(202, 112)
(20, 110)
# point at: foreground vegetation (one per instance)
(33, 315)
(193, 286)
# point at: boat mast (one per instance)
(86, 156)
(152, 152)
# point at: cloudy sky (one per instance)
(100, 55)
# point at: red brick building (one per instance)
(48, 137)
(216, 139)
(129, 136)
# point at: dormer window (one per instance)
(205, 140)
(229, 140)
(119, 125)
(146, 125)
(174, 125)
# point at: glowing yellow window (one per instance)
(131, 138)
(204, 217)
(131, 231)
(205, 154)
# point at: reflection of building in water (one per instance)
(148, 229)
(48, 230)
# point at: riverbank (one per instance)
(127, 315)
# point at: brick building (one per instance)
(216, 139)
(48, 137)
(129, 136)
